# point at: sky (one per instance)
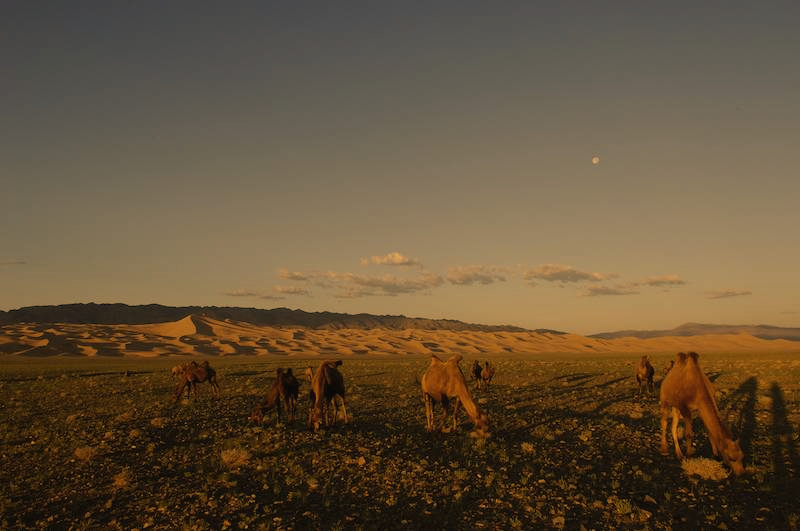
(578, 166)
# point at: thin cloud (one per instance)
(476, 274)
(601, 291)
(285, 274)
(241, 293)
(564, 274)
(290, 290)
(391, 259)
(664, 280)
(727, 293)
(12, 262)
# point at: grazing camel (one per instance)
(443, 382)
(193, 374)
(177, 370)
(644, 376)
(668, 367)
(475, 372)
(487, 374)
(310, 374)
(286, 388)
(686, 389)
(292, 394)
(327, 385)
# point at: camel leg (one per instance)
(445, 414)
(675, 419)
(344, 410)
(664, 415)
(688, 433)
(428, 411)
(456, 407)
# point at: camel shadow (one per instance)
(741, 407)
(784, 449)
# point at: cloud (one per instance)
(351, 286)
(476, 274)
(290, 290)
(391, 259)
(664, 280)
(241, 293)
(285, 274)
(564, 274)
(391, 285)
(727, 293)
(12, 262)
(599, 291)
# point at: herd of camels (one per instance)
(684, 389)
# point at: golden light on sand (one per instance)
(595, 160)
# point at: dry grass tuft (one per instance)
(235, 457)
(85, 453)
(157, 422)
(123, 479)
(705, 468)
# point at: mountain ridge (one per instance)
(697, 329)
(124, 314)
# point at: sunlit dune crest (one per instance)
(200, 335)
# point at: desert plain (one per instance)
(92, 438)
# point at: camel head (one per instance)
(733, 455)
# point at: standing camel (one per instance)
(475, 372)
(328, 383)
(443, 382)
(644, 376)
(486, 375)
(685, 389)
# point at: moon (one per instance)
(595, 160)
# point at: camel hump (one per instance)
(694, 355)
(681, 358)
(435, 357)
(455, 359)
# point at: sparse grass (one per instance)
(570, 447)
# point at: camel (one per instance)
(685, 389)
(292, 394)
(328, 383)
(668, 367)
(487, 374)
(475, 372)
(177, 370)
(443, 382)
(286, 388)
(644, 376)
(192, 374)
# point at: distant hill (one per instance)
(114, 314)
(699, 329)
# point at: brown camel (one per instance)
(327, 385)
(644, 376)
(668, 367)
(686, 389)
(487, 374)
(475, 372)
(309, 374)
(443, 382)
(193, 374)
(286, 388)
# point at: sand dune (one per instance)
(199, 335)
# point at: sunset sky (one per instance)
(430, 159)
